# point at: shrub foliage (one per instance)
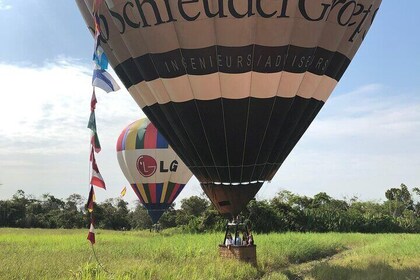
(400, 212)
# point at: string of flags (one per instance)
(103, 80)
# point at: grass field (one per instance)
(66, 254)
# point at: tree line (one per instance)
(400, 212)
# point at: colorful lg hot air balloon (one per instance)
(155, 172)
(232, 84)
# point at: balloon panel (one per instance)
(230, 200)
(233, 85)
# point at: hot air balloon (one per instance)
(232, 84)
(154, 171)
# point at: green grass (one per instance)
(384, 257)
(66, 254)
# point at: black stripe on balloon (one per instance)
(300, 117)
(232, 60)
(190, 116)
(128, 73)
(297, 134)
(166, 120)
(147, 192)
(157, 206)
(242, 134)
(265, 119)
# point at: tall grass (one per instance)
(384, 257)
(66, 254)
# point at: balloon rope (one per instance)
(249, 103)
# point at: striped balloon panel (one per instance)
(156, 198)
(159, 193)
(233, 85)
(141, 134)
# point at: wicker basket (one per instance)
(241, 253)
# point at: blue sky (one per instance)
(365, 140)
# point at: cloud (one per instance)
(44, 139)
(50, 105)
(374, 115)
(4, 6)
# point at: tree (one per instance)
(320, 199)
(264, 218)
(399, 199)
(139, 218)
(72, 216)
(168, 218)
(191, 208)
(194, 205)
(112, 214)
(75, 202)
(122, 215)
(16, 215)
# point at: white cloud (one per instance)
(52, 105)
(44, 141)
(373, 114)
(4, 6)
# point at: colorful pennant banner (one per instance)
(103, 80)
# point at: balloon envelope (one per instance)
(154, 171)
(233, 85)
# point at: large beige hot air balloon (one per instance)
(232, 84)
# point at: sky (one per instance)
(364, 141)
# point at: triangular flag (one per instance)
(94, 140)
(96, 179)
(100, 59)
(91, 199)
(123, 192)
(104, 80)
(91, 235)
(92, 121)
(93, 101)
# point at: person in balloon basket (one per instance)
(250, 241)
(238, 241)
(229, 241)
(244, 238)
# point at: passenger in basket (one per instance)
(238, 241)
(250, 239)
(244, 239)
(228, 241)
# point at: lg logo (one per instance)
(147, 166)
